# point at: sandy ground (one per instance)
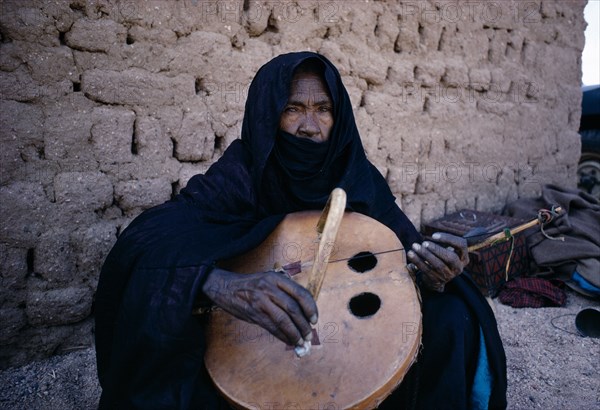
(548, 368)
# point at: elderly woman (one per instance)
(299, 141)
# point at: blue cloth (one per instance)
(584, 284)
(482, 382)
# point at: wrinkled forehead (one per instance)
(309, 86)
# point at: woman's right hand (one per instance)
(268, 299)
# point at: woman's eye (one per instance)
(291, 109)
(325, 108)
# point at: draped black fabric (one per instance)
(300, 162)
(301, 158)
(149, 347)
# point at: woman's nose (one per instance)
(309, 126)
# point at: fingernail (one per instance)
(436, 235)
(426, 244)
(313, 319)
(411, 254)
(300, 342)
(309, 337)
(416, 246)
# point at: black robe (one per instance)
(149, 347)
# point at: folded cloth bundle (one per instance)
(532, 292)
(578, 225)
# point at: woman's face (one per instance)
(309, 110)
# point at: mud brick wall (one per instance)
(108, 107)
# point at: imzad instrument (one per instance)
(369, 327)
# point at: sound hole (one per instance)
(362, 262)
(365, 304)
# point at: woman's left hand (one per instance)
(439, 261)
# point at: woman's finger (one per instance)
(294, 311)
(435, 263)
(458, 243)
(279, 324)
(302, 297)
(448, 257)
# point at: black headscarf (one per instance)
(261, 182)
(149, 347)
